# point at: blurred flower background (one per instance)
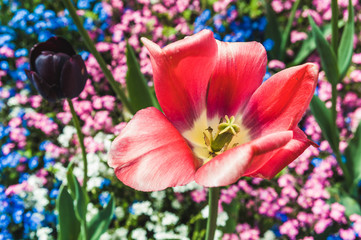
(37, 144)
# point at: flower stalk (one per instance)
(213, 197)
(91, 47)
(81, 142)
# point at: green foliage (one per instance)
(139, 93)
(327, 55)
(309, 45)
(100, 222)
(69, 226)
(353, 159)
(345, 50)
(78, 195)
(324, 120)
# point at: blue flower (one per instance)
(33, 162)
(268, 44)
(316, 162)
(104, 198)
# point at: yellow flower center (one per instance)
(211, 137)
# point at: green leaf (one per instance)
(273, 32)
(70, 179)
(79, 196)
(80, 201)
(353, 155)
(345, 50)
(138, 90)
(323, 117)
(69, 225)
(100, 222)
(309, 45)
(327, 55)
(350, 204)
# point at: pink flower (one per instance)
(219, 122)
(347, 234)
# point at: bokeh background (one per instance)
(37, 139)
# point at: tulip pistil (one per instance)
(226, 131)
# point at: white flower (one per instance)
(189, 187)
(144, 207)
(121, 233)
(91, 211)
(60, 172)
(94, 182)
(43, 233)
(67, 134)
(169, 219)
(169, 235)
(269, 235)
(158, 195)
(139, 234)
(106, 236)
(221, 218)
(41, 198)
(119, 212)
(12, 102)
(182, 230)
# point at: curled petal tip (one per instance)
(152, 47)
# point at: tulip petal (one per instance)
(239, 71)
(181, 73)
(229, 166)
(48, 92)
(49, 65)
(270, 164)
(279, 103)
(53, 44)
(73, 77)
(150, 154)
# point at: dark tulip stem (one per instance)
(213, 197)
(91, 47)
(81, 142)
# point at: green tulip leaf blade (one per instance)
(309, 45)
(327, 55)
(345, 50)
(69, 225)
(324, 119)
(353, 155)
(100, 222)
(139, 93)
(80, 198)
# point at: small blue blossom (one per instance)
(104, 198)
(33, 162)
(268, 44)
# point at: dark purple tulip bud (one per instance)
(56, 70)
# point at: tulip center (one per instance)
(226, 131)
(211, 137)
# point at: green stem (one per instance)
(334, 23)
(91, 47)
(334, 42)
(81, 142)
(337, 150)
(213, 197)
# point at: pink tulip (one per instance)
(219, 122)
